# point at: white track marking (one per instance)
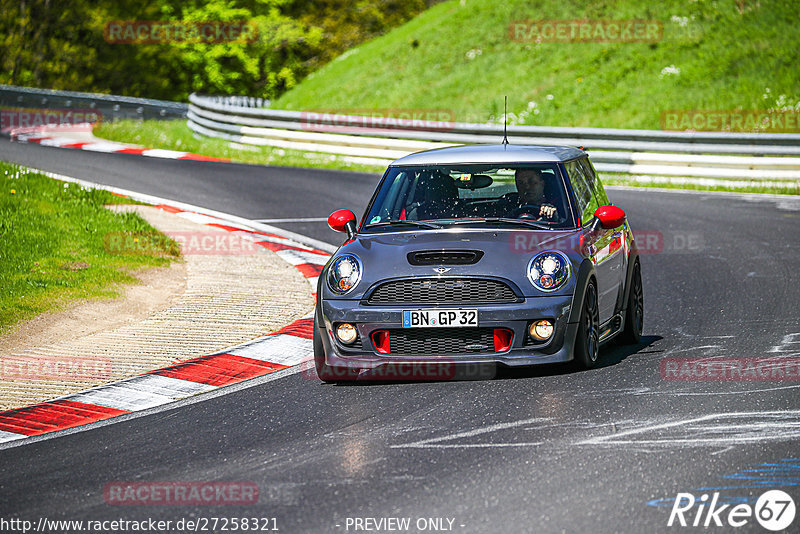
(161, 153)
(694, 393)
(283, 349)
(297, 257)
(10, 436)
(745, 196)
(198, 218)
(117, 395)
(174, 388)
(57, 141)
(101, 147)
(298, 220)
(778, 429)
(435, 443)
(788, 339)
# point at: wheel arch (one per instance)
(633, 259)
(585, 275)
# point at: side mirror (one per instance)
(610, 216)
(343, 221)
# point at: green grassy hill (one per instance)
(458, 56)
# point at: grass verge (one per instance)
(729, 186)
(459, 58)
(53, 245)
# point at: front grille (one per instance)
(429, 341)
(442, 291)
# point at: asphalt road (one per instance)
(545, 450)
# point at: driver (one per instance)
(531, 185)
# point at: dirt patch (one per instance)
(159, 288)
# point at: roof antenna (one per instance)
(505, 120)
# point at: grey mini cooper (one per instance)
(484, 254)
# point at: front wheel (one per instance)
(634, 316)
(587, 341)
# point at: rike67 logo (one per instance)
(774, 510)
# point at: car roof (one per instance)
(491, 154)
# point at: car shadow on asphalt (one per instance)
(610, 355)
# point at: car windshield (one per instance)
(509, 194)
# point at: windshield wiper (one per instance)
(522, 222)
(398, 222)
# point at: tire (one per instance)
(587, 340)
(325, 372)
(634, 315)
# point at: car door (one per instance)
(605, 245)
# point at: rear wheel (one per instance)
(634, 316)
(325, 372)
(587, 341)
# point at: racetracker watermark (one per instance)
(31, 118)
(586, 31)
(774, 510)
(647, 242)
(179, 32)
(741, 120)
(730, 369)
(180, 493)
(54, 368)
(184, 524)
(191, 243)
(375, 120)
(443, 370)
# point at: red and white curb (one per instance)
(79, 136)
(290, 346)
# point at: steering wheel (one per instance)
(528, 211)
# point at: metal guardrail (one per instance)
(110, 107)
(247, 120)
(699, 154)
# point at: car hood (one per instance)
(506, 254)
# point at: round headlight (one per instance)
(549, 270)
(344, 273)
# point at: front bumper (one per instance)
(516, 317)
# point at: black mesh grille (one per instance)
(442, 290)
(426, 341)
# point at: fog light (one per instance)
(346, 333)
(541, 330)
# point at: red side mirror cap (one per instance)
(340, 219)
(610, 216)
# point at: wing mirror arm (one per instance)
(350, 228)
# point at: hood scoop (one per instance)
(445, 257)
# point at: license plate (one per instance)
(439, 318)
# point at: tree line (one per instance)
(67, 45)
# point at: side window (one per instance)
(599, 191)
(587, 203)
